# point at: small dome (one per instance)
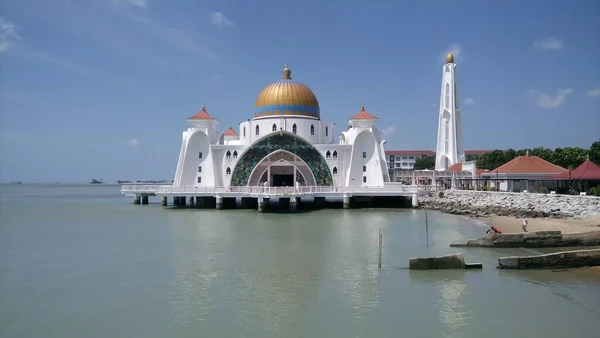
(287, 97)
(449, 58)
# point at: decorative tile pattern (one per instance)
(281, 141)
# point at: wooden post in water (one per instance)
(380, 248)
(426, 228)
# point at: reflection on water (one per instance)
(108, 268)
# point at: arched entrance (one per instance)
(281, 169)
(289, 143)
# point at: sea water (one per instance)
(84, 261)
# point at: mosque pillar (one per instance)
(346, 202)
(293, 204)
(415, 200)
(219, 202)
(145, 199)
(262, 204)
(137, 199)
(163, 201)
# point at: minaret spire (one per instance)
(449, 139)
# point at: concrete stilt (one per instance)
(293, 203)
(219, 202)
(164, 201)
(262, 204)
(144, 199)
(415, 201)
(346, 202)
(192, 201)
(137, 199)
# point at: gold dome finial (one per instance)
(449, 58)
(287, 72)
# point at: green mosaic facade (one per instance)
(286, 142)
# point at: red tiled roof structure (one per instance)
(457, 167)
(587, 170)
(230, 132)
(363, 115)
(202, 115)
(528, 165)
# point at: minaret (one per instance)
(449, 140)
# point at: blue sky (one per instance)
(101, 88)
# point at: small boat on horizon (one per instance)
(95, 181)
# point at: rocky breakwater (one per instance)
(491, 203)
(558, 260)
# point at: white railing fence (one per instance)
(169, 189)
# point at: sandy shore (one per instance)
(508, 224)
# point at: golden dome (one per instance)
(286, 97)
(449, 58)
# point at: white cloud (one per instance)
(220, 20)
(455, 49)
(549, 44)
(132, 142)
(171, 36)
(469, 101)
(137, 3)
(218, 77)
(593, 92)
(544, 100)
(389, 130)
(433, 105)
(8, 34)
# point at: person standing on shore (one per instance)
(524, 223)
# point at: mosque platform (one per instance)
(225, 197)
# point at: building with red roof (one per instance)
(516, 174)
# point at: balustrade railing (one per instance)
(262, 190)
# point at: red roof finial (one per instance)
(202, 115)
(230, 132)
(363, 114)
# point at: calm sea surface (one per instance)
(84, 261)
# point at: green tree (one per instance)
(425, 162)
(595, 152)
(569, 158)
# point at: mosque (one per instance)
(285, 144)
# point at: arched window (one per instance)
(228, 154)
(447, 104)
(326, 131)
(328, 154)
(335, 170)
(274, 127)
(312, 129)
(294, 129)
(244, 131)
(257, 131)
(446, 136)
(234, 154)
(228, 171)
(335, 154)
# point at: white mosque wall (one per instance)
(312, 130)
(365, 164)
(344, 159)
(196, 154)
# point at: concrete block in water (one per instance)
(558, 260)
(455, 261)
